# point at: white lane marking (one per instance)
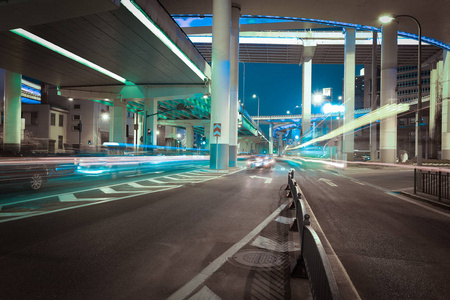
(266, 243)
(140, 186)
(156, 181)
(108, 190)
(205, 294)
(327, 181)
(72, 198)
(284, 220)
(404, 198)
(196, 176)
(189, 287)
(356, 181)
(267, 180)
(15, 214)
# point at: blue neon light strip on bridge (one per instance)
(425, 39)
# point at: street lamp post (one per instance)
(243, 86)
(255, 96)
(387, 19)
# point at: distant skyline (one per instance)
(279, 86)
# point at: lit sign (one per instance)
(327, 92)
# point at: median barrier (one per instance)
(313, 262)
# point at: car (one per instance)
(264, 162)
(28, 174)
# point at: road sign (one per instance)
(217, 129)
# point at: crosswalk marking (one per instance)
(140, 186)
(73, 198)
(113, 192)
(156, 181)
(108, 190)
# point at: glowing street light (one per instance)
(317, 98)
(387, 19)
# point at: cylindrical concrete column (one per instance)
(374, 99)
(234, 83)
(435, 94)
(280, 143)
(306, 97)
(118, 120)
(388, 93)
(189, 136)
(271, 139)
(12, 112)
(220, 84)
(207, 129)
(349, 92)
(150, 109)
(445, 148)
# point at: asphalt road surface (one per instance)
(147, 238)
(172, 235)
(391, 247)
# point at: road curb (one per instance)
(426, 200)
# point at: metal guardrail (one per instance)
(313, 262)
(432, 183)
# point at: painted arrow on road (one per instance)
(327, 181)
(268, 180)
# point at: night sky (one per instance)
(279, 86)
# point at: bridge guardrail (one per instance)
(313, 262)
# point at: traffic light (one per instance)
(149, 131)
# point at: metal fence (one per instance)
(432, 183)
(313, 261)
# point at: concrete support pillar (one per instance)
(220, 83)
(280, 143)
(445, 150)
(374, 99)
(207, 129)
(388, 92)
(306, 97)
(271, 139)
(150, 109)
(234, 84)
(435, 94)
(12, 111)
(189, 136)
(117, 125)
(136, 126)
(349, 92)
